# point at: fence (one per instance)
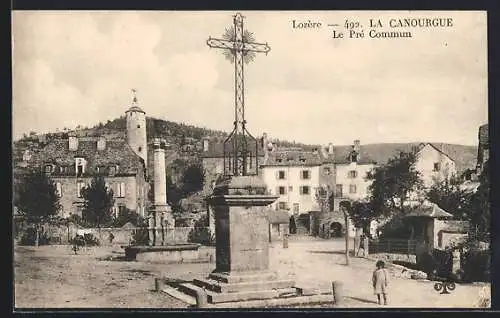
(392, 246)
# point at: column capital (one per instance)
(159, 143)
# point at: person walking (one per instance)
(380, 281)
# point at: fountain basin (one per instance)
(173, 253)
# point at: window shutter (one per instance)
(301, 190)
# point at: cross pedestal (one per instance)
(242, 244)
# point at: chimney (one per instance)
(324, 151)
(330, 149)
(356, 145)
(101, 143)
(205, 144)
(73, 143)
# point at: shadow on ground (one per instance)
(362, 300)
(351, 253)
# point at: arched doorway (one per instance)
(335, 229)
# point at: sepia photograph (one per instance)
(212, 160)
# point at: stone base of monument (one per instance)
(175, 253)
(245, 290)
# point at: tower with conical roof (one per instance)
(136, 129)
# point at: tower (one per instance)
(136, 129)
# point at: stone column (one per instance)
(161, 210)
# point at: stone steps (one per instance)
(214, 297)
(246, 277)
(220, 287)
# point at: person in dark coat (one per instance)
(380, 281)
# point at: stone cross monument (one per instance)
(160, 217)
(240, 204)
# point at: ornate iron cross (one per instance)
(239, 47)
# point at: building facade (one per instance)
(434, 165)
(72, 161)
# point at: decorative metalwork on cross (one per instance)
(239, 47)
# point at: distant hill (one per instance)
(185, 141)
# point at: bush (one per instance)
(476, 265)
(201, 235)
(201, 232)
(140, 236)
(29, 237)
(85, 240)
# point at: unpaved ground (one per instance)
(53, 277)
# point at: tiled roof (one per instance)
(429, 209)
(483, 135)
(293, 158)
(116, 152)
(343, 157)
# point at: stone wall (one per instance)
(122, 236)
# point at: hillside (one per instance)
(186, 142)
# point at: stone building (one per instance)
(434, 164)
(71, 162)
(483, 151)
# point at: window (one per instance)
(327, 170)
(295, 208)
(138, 126)
(290, 189)
(352, 174)
(281, 175)
(112, 170)
(352, 188)
(140, 149)
(48, 168)
(80, 166)
(59, 189)
(304, 190)
(305, 174)
(281, 190)
(302, 160)
(120, 189)
(121, 209)
(279, 160)
(338, 190)
(282, 205)
(79, 186)
(437, 166)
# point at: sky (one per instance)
(78, 68)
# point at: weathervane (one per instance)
(134, 92)
(239, 47)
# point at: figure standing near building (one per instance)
(380, 281)
(362, 244)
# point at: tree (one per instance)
(192, 179)
(37, 200)
(97, 209)
(448, 196)
(480, 213)
(393, 183)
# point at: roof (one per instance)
(135, 108)
(343, 156)
(117, 152)
(436, 148)
(429, 210)
(293, 158)
(278, 217)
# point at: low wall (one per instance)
(122, 236)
